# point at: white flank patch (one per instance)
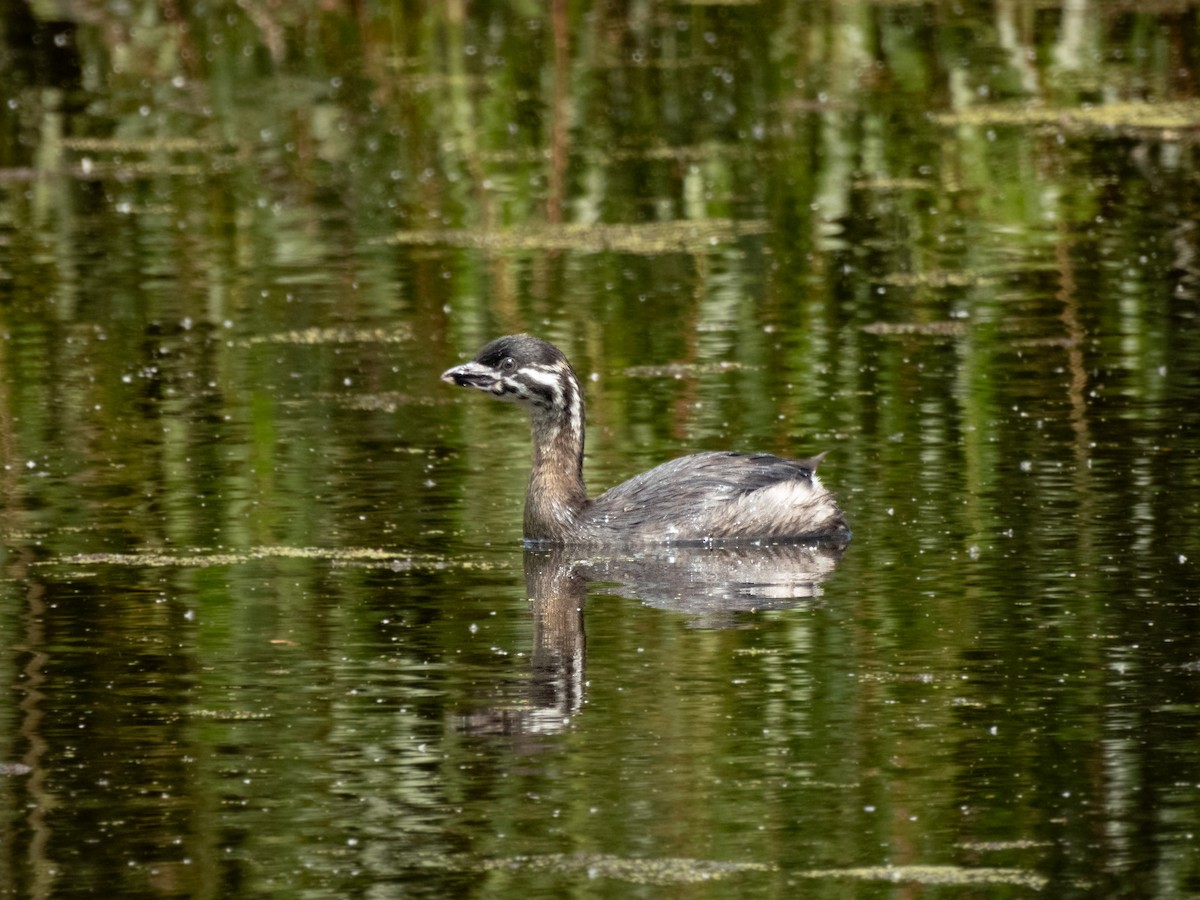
(792, 492)
(799, 501)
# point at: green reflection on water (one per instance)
(265, 621)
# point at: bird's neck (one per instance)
(556, 494)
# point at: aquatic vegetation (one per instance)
(229, 715)
(658, 871)
(357, 556)
(331, 335)
(156, 144)
(939, 279)
(681, 370)
(680, 870)
(267, 627)
(643, 237)
(1166, 118)
(941, 875)
(926, 329)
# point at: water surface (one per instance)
(266, 624)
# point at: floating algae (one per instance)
(944, 875)
(681, 370)
(938, 279)
(924, 329)
(642, 237)
(1169, 119)
(125, 145)
(635, 870)
(320, 336)
(680, 870)
(346, 556)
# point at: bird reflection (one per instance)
(714, 586)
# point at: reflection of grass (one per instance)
(643, 237)
(1163, 117)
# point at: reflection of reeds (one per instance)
(560, 133)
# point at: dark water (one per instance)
(266, 625)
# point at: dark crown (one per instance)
(536, 373)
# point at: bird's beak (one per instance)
(471, 374)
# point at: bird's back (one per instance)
(716, 496)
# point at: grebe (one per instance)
(706, 497)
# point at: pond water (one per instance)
(267, 627)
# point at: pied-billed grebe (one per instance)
(700, 498)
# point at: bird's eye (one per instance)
(509, 364)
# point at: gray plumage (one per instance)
(706, 497)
